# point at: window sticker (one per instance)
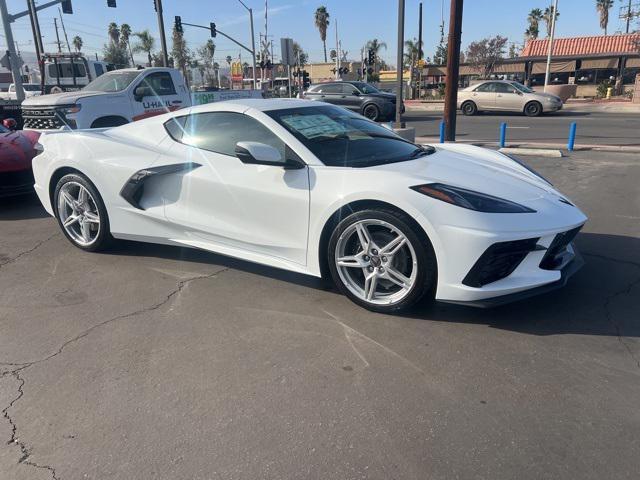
(312, 126)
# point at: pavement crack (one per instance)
(610, 298)
(28, 251)
(19, 367)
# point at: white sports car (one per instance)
(316, 189)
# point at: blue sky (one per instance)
(358, 21)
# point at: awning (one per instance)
(509, 68)
(469, 70)
(599, 63)
(434, 71)
(633, 62)
(556, 67)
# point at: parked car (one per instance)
(508, 96)
(16, 152)
(316, 189)
(30, 90)
(112, 99)
(361, 97)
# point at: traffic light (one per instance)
(178, 24)
(66, 6)
(111, 3)
(371, 59)
(214, 32)
(305, 80)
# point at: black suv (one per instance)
(359, 96)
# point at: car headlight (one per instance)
(480, 202)
(527, 167)
(70, 109)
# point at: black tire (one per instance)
(425, 281)
(106, 122)
(104, 239)
(469, 108)
(371, 111)
(533, 109)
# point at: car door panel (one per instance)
(164, 96)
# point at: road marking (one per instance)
(517, 127)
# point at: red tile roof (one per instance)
(577, 46)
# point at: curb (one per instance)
(540, 152)
(538, 146)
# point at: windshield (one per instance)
(112, 81)
(365, 87)
(521, 87)
(340, 138)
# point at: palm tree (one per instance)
(114, 33)
(125, 34)
(547, 17)
(534, 18)
(411, 52)
(229, 59)
(321, 19)
(146, 44)
(77, 43)
(603, 7)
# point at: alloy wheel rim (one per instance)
(370, 112)
(376, 262)
(78, 213)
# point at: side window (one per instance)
(504, 88)
(486, 87)
(160, 83)
(175, 127)
(332, 88)
(347, 89)
(220, 131)
(99, 69)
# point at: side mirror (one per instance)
(10, 123)
(356, 93)
(262, 154)
(140, 92)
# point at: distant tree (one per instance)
(125, 35)
(603, 7)
(77, 43)
(333, 55)
(145, 44)
(411, 52)
(547, 17)
(180, 53)
(321, 20)
(440, 57)
(300, 55)
(485, 53)
(534, 18)
(206, 53)
(376, 46)
(513, 50)
(229, 59)
(114, 33)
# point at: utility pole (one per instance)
(399, 69)
(453, 70)
(11, 49)
(253, 45)
(547, 72)
(64, 30)
(55, 24)
(337, 53)
(163, 38)
(33, 13)
(421, 52)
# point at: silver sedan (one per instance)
(505, 95)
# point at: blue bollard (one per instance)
(442, 131)
(572, 136)
(503, 134)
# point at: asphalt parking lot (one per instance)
(153, 362)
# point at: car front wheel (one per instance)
(380, 261)
(532, 109)
(372, 112)
(81, 213)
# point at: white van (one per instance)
(69, 72)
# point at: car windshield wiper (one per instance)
(421, 151)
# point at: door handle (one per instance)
(343, 96)
(322, 96)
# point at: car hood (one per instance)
(65, 98)
(385, 95)
(477, 169)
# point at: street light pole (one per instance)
(11, 48)
(163, 39)
(547, 72)
(399, 69)
(453, 70)
(253, 45)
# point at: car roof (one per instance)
(262, 104)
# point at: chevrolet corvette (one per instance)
(319, 190)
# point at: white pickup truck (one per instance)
(112, 99)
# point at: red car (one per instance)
(16, 152)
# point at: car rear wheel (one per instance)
(371, 112)
(469, 108)
(81, 213)
(532, 109)
(380, 262)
